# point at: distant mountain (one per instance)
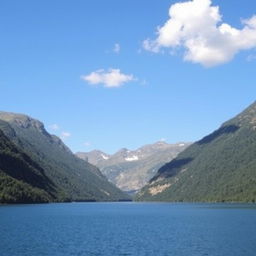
(220, 167)
(94, 157)
(60, 174)
(131, 170)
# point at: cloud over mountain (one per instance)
(54, 127)
(65, 135)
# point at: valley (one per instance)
(130, 170)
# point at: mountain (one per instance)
(220, 167)
(21, 179)
(131, 170)
(66, 177)
(94, 157)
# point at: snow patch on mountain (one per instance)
(104, 157)
(132, 158)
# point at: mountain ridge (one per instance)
(219, 167)
(75, 180)
(131, 169)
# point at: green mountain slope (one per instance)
(21, 179)
(73, 178)
(220, 167)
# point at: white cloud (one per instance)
(87, 144)
(54, 127)
(110, 78)
(65, 135)
(117, 48)
(197, 27)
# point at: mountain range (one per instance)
(130, 170)
(36, 166)
(220, 167)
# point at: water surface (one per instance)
(138, 229)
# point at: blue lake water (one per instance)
(157, 229)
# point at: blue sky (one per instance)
(49, 49)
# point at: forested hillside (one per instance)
(220, 167)
(68, 177)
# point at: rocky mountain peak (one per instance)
(131, 169)
(22, 121)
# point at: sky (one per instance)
(112, 74)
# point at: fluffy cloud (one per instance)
(116, 48)
(110, 78)
(197, 27)
(65, 135)
(54, 127)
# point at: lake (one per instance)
(109, 229)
